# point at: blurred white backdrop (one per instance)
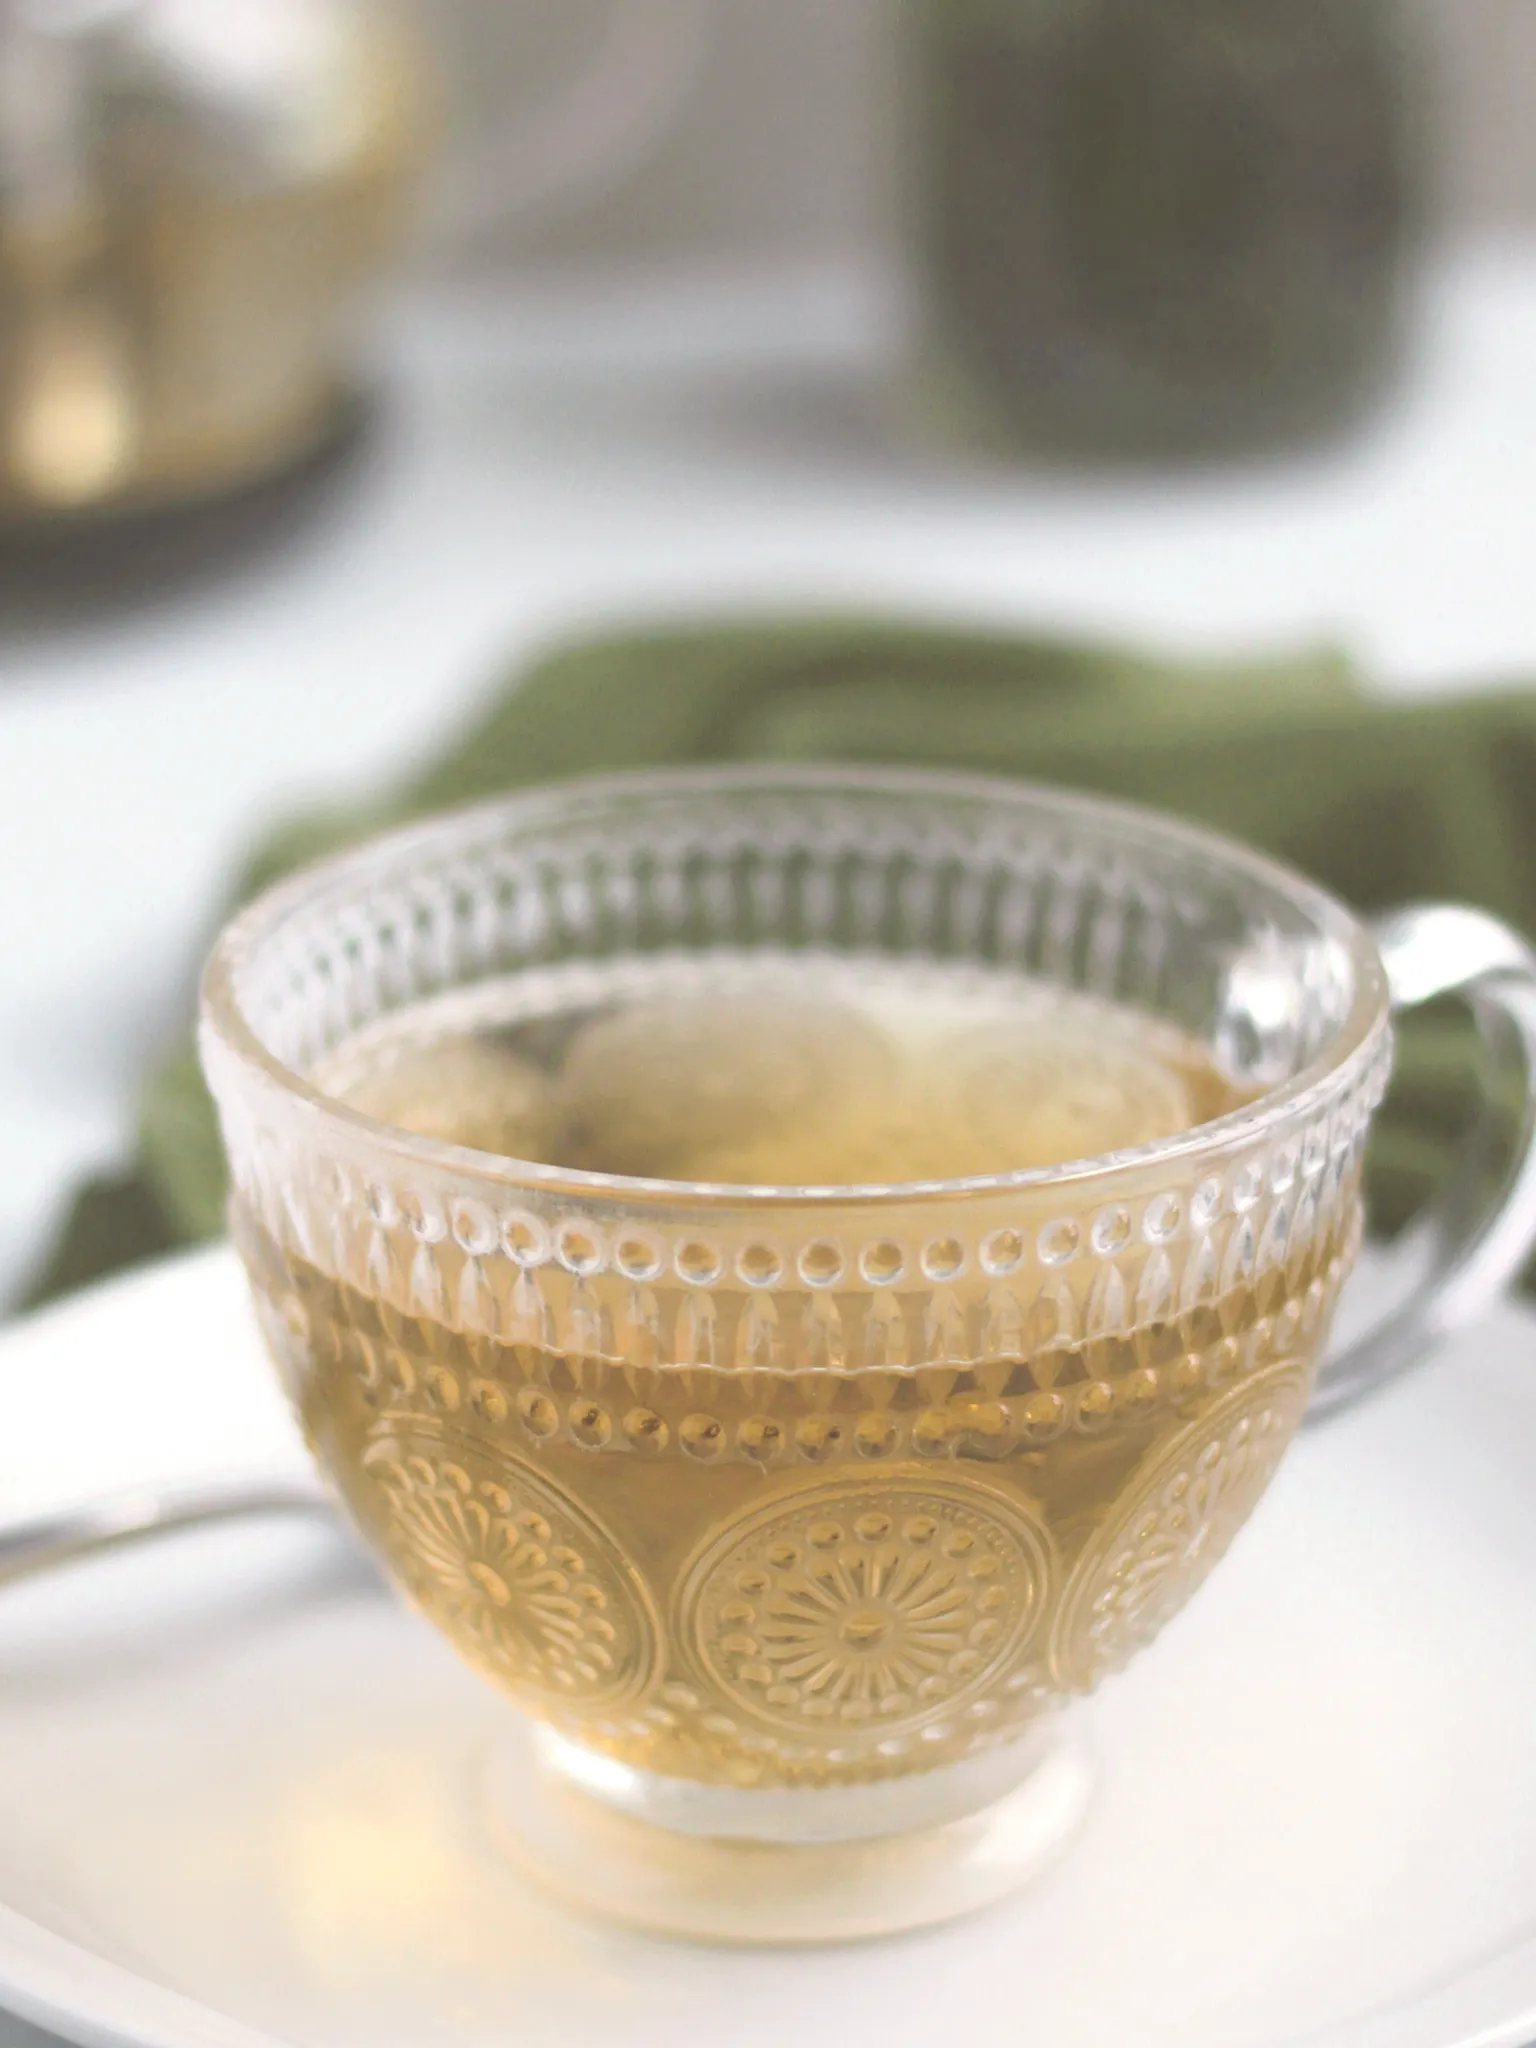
(779, 149)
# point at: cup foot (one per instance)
(709, 1864)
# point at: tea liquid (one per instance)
(772, 1493)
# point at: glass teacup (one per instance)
(794, 1517)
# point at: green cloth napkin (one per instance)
(1384, 803)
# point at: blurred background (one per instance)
(353, 354)
(786, 147)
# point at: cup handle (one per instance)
(1478, 1244)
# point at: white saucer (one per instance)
(238, 1800)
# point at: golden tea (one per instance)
(747, 1505)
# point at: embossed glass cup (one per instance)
(793, 1518)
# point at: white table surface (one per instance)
(549, 457)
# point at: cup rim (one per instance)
(224, 1024)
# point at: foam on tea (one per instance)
(782, 1069)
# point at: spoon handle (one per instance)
(70, 1534)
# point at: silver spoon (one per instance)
(40, 1544)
